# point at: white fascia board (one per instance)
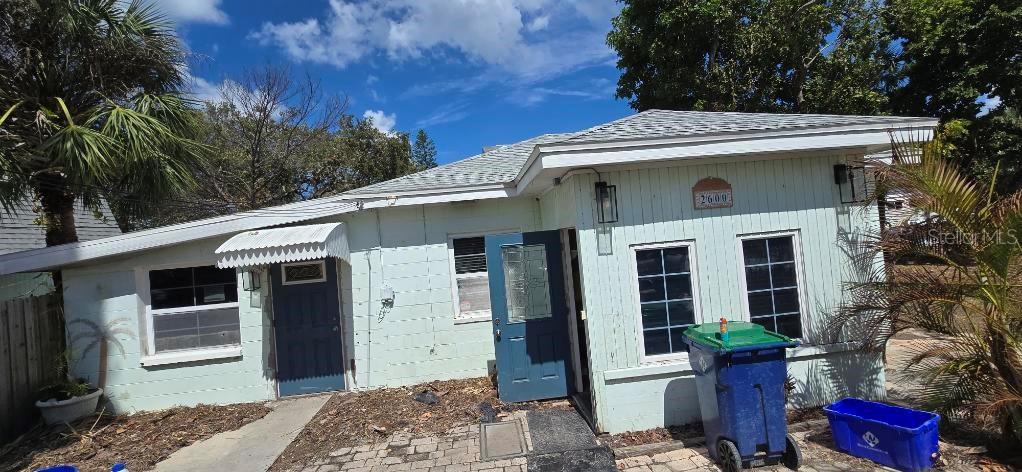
(408, 199)
(451, 192)
(58, 256)
(65, 254)
(581, 156)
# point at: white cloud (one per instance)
(382, 121)
(447, 113)
(193, 11)
(513, 37)
(539, 23)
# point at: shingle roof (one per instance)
(653, 124)
(19, 231)
(502, 164)
(495, 166)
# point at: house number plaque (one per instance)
(712, 192)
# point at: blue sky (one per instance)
(471, 73)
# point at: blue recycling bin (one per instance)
(740, 382)
(897, 437)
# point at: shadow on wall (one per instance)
(681, 402)
(820, 380)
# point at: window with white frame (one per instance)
(666, 298)
(772, 283)
(472, 286)
(193, 308)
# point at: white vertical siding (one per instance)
(655, 205)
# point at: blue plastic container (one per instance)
(897, 437)
(741, 392)
(59, 468)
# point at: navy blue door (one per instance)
(307, 325)
(530, 329)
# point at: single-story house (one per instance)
(21, 230)
(568, 263)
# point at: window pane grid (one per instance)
(663, 274)
(778, 252)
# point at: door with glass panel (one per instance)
(530, 330)
(307, 324)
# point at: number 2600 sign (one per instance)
(713, 199)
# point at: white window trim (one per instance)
(468, 316)
(800, 279)
(674, 357)
(151, 357)
(283, 272)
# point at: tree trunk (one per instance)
(58, 208)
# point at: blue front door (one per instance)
(530, 329)
(307, 325)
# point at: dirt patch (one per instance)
(350, 419)
(140, 440)
(653, 436)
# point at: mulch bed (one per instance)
(140, 440)
(356, 418)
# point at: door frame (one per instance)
(272, 318)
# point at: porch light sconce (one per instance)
(606, 202)
(251, 280)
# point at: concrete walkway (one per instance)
(252, 447)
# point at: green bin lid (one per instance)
(743, 335)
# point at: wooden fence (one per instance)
(31, 339)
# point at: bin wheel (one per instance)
(727, 453)
(792, 457)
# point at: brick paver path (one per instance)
(456, 451)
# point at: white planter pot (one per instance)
(66, 411)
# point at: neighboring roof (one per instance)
(653, 124)
(20, 232)
(288, 244)
(496, 166)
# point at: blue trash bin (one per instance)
(740, 382)
(897, 437)
(59, 468)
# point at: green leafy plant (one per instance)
(67, 387)
(968, 300)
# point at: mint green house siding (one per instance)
(792, 194)
(109, 292)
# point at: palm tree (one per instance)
(967, 296)
(90, 106)
(101, 337)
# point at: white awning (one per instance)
(294, 243)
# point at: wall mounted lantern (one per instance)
(250, 280)
(856, 183)
(606, 202)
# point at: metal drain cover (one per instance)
(501, 440)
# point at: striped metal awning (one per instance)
(294, 243)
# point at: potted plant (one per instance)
(68, 400)
(74, 398)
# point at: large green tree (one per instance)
(90, 105)
(962, 62)
(753, 55)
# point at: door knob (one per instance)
(497, 334)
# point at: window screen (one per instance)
(771, 279)
(212, 295)
(665, 298)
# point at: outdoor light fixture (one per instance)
(855, 182)
(250, 280)
(606, 202)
